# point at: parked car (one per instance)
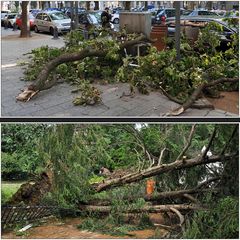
(68, 11)
(115, 18)
(97, 15)
(10, 19)
(52, 9)
(46, 21)
(162, 14)
(225, 35)
(206, 13)
(19, 21)
(34, 11)
(3, 15)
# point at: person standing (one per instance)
(106, 18)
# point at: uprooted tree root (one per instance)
(32, 193)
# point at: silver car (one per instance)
(47, 21)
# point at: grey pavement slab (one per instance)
(57, 101)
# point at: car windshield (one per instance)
(58, 16)
(12, 16)
(93, 18)
(97, 15)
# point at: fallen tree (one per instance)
(42, 81)
(152, 209)
(202, 70)
(156, 170)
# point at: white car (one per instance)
(48, 20)
(11, 19)
(115, 18)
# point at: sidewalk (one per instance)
(57, 101)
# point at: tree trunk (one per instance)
(146, 5)
(88, 5)
(153, 171)
(127, 5)
(178, 194)
(157, 196)
(25, 28)
(152, 209)
(96, 7)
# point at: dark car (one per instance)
(87, 21)
(68, 11)
(225, 35)
(52, 9)
(97, 14)
(34, 12)
(206, 13)
(162, 14)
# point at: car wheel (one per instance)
(51, 30)
(116, 21)
(36, 29)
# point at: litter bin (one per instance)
(159, 33)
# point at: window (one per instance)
(39, 16)
(58, 16)
(45, 17)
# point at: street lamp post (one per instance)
(177, 29)
(72, 16)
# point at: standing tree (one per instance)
(96, 3)
(25, 29)
(127, 5)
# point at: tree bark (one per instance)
(176, 165)
(127, 5)
(151, 209)
(96, 7)
(179, 193)
(158, 196)
(25, 28)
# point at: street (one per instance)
(57, 101)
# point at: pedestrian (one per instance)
(106, 18)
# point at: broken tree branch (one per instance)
(197, 92)
(209, 143)
(179, 193)
(191, 198)
(230, 139)
(181, 217)
(42, 79)
(152, 209)
(161, 156)
(205, 183)
(156, 170)
(178, 101)
(188, 142)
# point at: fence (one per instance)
(15, 214)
